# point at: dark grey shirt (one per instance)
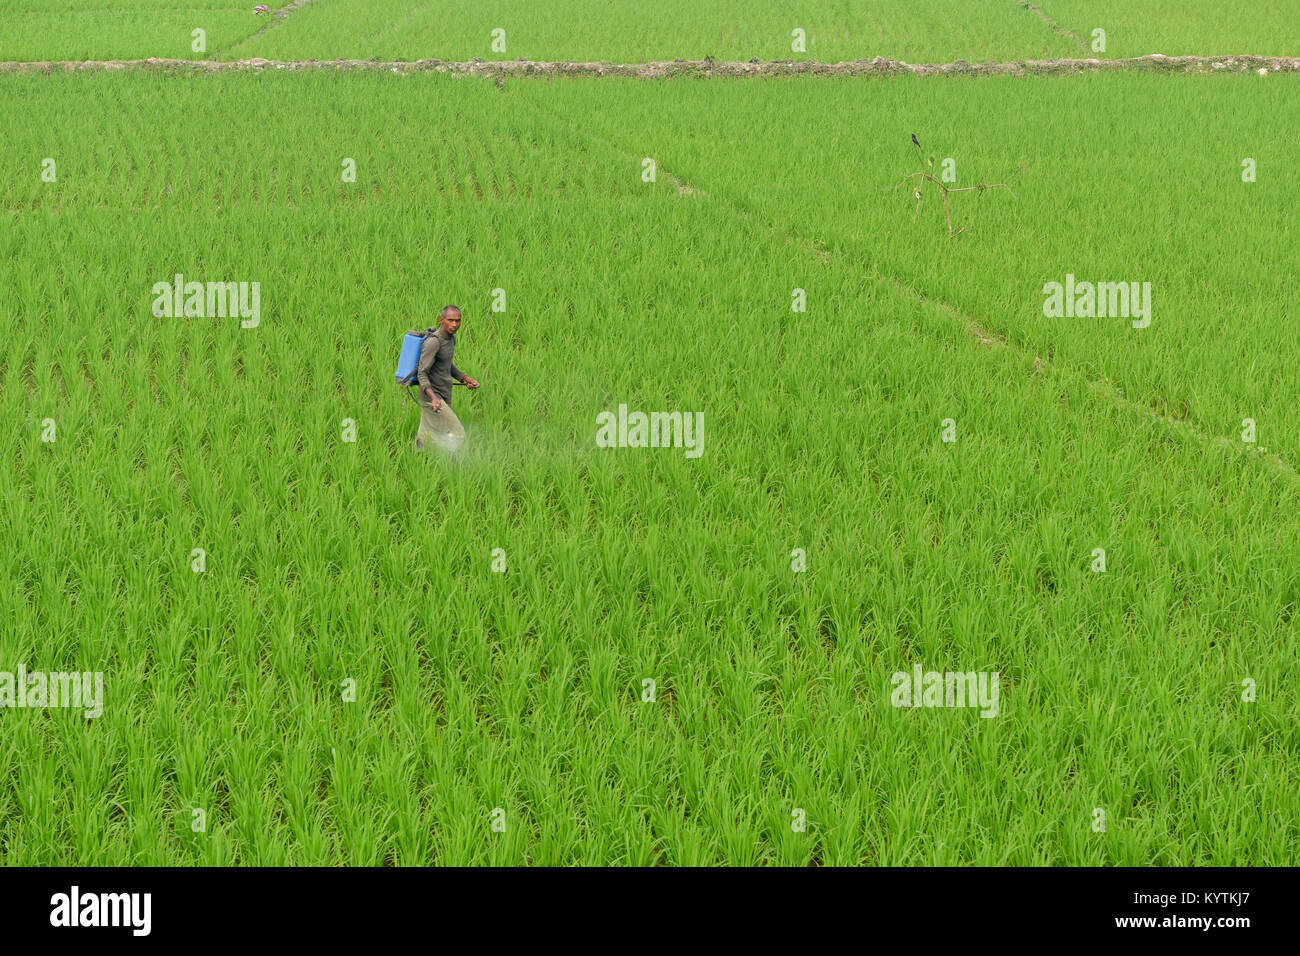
(436, 369)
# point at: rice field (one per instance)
(124, 29)
(917, 31)
(321, 647)
(1201, 27)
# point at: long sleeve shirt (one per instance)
(436, 369)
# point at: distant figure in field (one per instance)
(438, 423)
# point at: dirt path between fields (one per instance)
(1056, 27)
(1153, 63)
(1104, 388)
(277, 17)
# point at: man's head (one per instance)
(449, 319)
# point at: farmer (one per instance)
(438, 423)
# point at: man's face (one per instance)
(451, 322)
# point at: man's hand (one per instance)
(469, 382)
(434, 401)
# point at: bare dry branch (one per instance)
(981, 187)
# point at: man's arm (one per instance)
(424, 371)
(428, 353)
(463, 378)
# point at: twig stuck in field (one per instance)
(923, 175)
